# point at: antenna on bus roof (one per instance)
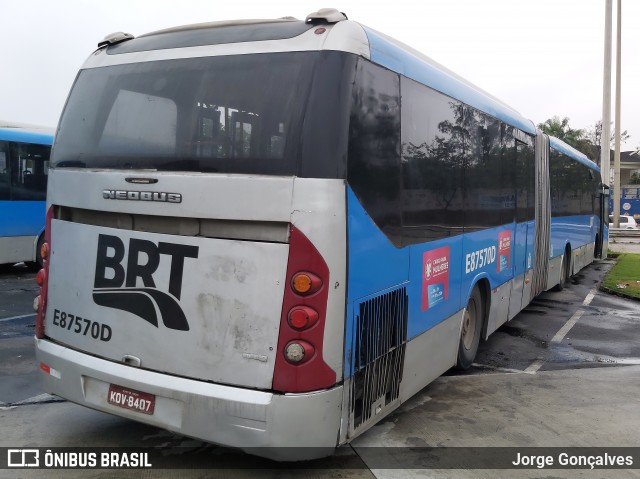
(326, 15)
(114, 38)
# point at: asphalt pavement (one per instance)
(19, 378)
(624, 241)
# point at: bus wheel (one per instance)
(564, 271)
(38, 263)
(472, 321)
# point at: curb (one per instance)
(620, 294)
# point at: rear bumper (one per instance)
(285, 427)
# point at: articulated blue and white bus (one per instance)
(24, 166)
(269, 234)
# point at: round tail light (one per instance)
(305, 283)
(302, 317)
(41, 277)
(298, 352)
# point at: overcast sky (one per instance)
(542, 57)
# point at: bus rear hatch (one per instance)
(200, 307)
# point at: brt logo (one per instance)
(116, 279)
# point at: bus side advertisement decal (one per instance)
(504, 250)
(435, 277)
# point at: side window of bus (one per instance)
(4, 171)
(525, 178)
(557, 181)
(568, 184)
(589, 193)
(29, 171)
(490, 173)
(374, 146)
(508, 176)
(433, 145)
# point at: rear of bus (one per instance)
(196, 235)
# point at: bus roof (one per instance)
(570, 151)
(39, 135)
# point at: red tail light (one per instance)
(43, 276)
(302, 317)
(300, 366)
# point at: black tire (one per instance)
(597, 250)
(38, 264)
(472, 322)
(564, 272)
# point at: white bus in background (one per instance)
(254, 239)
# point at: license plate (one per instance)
(131, 399)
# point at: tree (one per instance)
(594, 136)
(587, 141)
(577, 138)
(560, 129)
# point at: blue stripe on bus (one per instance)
(573, 230)
(22, 218)
(22, 135)
(394, 57)
(439, 275)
